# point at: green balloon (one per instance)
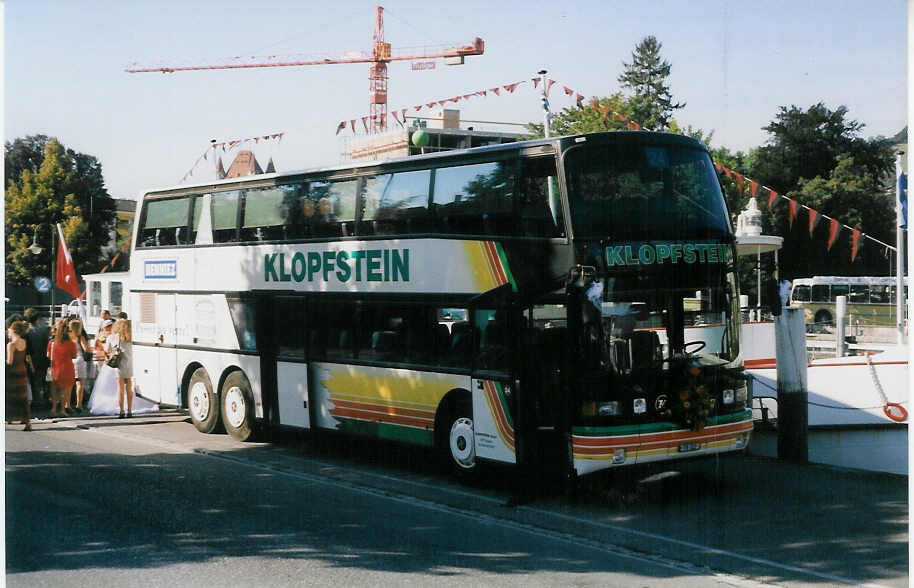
(420, 138)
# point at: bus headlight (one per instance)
(728, 396)
(640, 405)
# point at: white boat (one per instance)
(858, 405)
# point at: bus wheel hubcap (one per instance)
(461, 441)
(199, 401)
(234, 406)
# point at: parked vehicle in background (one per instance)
(870, 300)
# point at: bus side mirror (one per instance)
(773, 296)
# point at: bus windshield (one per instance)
(644, 192)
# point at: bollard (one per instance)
(840, 325)
(793, 408)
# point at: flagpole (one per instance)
(899, 253)
(54, 238)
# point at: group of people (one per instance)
(32, 349)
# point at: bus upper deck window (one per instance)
(800, 293)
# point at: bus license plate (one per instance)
(689, 447)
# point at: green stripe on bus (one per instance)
(387, 431)
(656, 427)
(504, 404)
(505, 266)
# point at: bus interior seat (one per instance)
(645, 350)
(442, 339)
(462, 338)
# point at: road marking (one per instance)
(614, 549)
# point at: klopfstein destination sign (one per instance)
(630, 254)
(360, 265)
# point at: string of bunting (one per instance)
(834, 225)
(815, 217)
(399, 114)
(229, 145)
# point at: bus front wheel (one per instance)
(459, 443)
(823, 318)
(237, 406)
(202, 402)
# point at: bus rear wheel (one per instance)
(237, 406)
(202, 402)
(823, 319)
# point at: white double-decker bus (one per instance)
(566, 304)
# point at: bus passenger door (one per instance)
(494, 398)
(284, 373)
(166, 341)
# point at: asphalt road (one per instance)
(151, 502)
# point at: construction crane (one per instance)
(380, 55)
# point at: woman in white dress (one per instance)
(112, 384)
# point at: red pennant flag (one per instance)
(418, 108)
(365, 123)
(636, 126)
(455, 99)
(726, 171)
(580, 100)
(568, 91)
(496, 91)
(482, 93)
(753, 187)
(512, 87)
(467, 96)
(431, 104)
(403, 114)
(396, 117)
(340, 127)
(536, 82)
(793, 211)
(813, 221)
(621, 117)
(66, 271)
(834, 227)
(855, 243)
(352, 125)
(772, 195)
(718, 166)
(549, 86)
(739, 182)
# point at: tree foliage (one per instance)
(48, 184)
(651, 101)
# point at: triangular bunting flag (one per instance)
(855, 243)
(568, 91)
(772, 196)
(834, 227)
(793, 212)
(396, 117)
(636, 126)
(549, 86)
(813, 221)
(753, 187)
(739, 182)
(431, 104)
(352, 124)
(496, 91)
(511, 87)
(536, 81)
(365, 123)
(340, 127)
(580, 100)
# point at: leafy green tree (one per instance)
(646, 78)
(66, 187)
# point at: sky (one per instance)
(734, 63)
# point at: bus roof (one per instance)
(850, 280)
(605, 136)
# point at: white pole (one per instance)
(899, 254)
(840, 324)
(758, 279)
(547, 116)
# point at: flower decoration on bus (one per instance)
(690, 403)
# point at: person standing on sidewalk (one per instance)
(36, 340)
(81, 363)
(63, 374)
(17, 383)
(121, 343)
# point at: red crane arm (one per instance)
(477, 47)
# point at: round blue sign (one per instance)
(43, 284)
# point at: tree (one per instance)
(66, 187)
(807, 143)
(646, 77)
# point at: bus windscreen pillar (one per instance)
(793, 408)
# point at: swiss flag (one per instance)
(66, 272)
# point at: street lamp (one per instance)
(37, 249)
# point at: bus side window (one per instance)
(475, 199)
(879, 295)
(492, 326)
(800, 293)
(540, 207)
(820, 293)
(838, 290)
(860, 294)
(225, 216)
(333, 208)
(165, 222)
(395, 204)
(334, 324)
(265, 213)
